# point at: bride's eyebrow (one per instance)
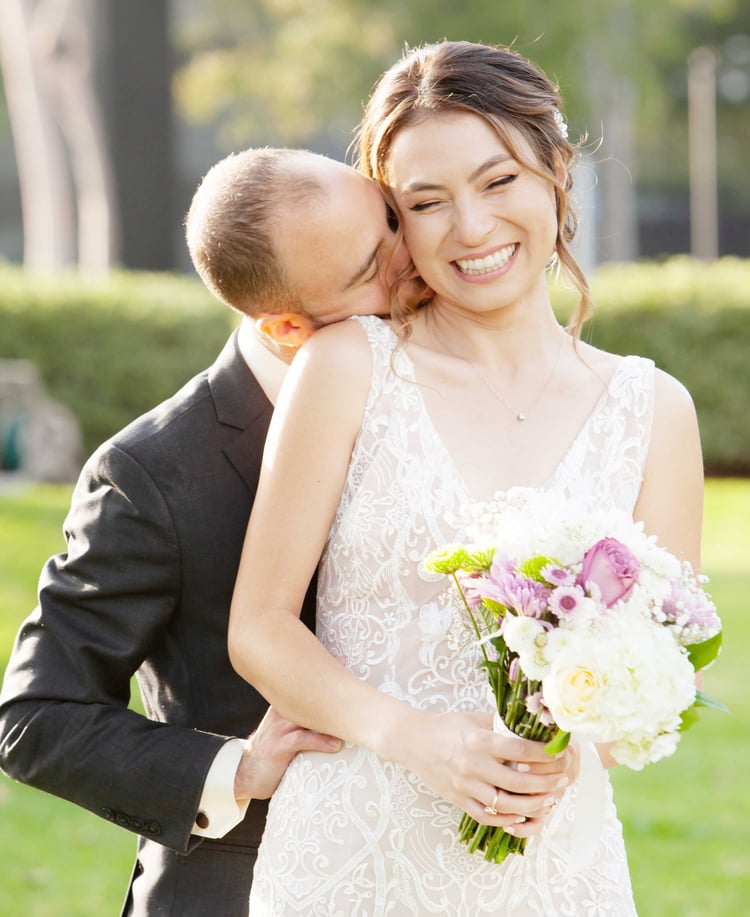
(480, 169)
(492, 161)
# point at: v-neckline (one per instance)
(549, 481)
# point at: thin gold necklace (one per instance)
(518, 415)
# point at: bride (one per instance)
(384, 432)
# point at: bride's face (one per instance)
(479, 225)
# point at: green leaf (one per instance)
(688, 718)
(495, 607)
(533, 567)
(558, 742)
(705, 700)
(701, 654)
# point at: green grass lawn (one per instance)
(685, 819)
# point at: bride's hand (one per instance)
(461, 759)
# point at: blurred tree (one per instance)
(88, 85)
(724, 27)
(281, 71)
(134, 65)
(296, 71)
(58, 134)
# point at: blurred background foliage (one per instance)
(112, 349)
(183, 82)
(179, 83)
(287, 71)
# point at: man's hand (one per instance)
(268, 752)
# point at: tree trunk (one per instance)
(46, 200)
(61, 148)
(613, 101)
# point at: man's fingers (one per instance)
(307, 740)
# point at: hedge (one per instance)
(693, 319)
(111, 349)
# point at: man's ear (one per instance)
(285, 329)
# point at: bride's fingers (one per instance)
(528, 828)
(566, 762)
(483, 814)
(538, 767)
(493, 806)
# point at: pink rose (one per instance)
(611, 567)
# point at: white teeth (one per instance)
(489, 263)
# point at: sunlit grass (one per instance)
(685, 818)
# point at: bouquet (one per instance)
(587, 627)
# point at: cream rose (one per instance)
(571, 693)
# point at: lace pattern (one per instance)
(351, 834)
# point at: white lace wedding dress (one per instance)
(351, 835)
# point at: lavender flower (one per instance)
(536, 707)
(690, 610)
(523, 595)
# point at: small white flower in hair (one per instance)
(562, 124)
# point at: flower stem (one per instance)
(471, 617)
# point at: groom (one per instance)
(293, 241)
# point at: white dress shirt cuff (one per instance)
(218, 811)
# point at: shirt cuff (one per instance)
(218, 811)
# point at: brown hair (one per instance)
(229, 227)
(503, 88)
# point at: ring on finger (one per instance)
(491, 809)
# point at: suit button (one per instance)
(201, 819)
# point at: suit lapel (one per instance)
(240, 404)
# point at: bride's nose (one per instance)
(472, 224)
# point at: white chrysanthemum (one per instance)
(527, 637)
(636, 753)
(621, 678)
(662, 563)
(654, 586)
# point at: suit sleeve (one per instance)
(65, 726)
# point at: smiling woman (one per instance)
(474, 215)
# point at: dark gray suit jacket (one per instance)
(154, 536)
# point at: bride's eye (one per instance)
(502, 182)
(423, 205)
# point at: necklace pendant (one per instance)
(520, 416)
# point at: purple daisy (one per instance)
(558, 576)
(565, 601)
